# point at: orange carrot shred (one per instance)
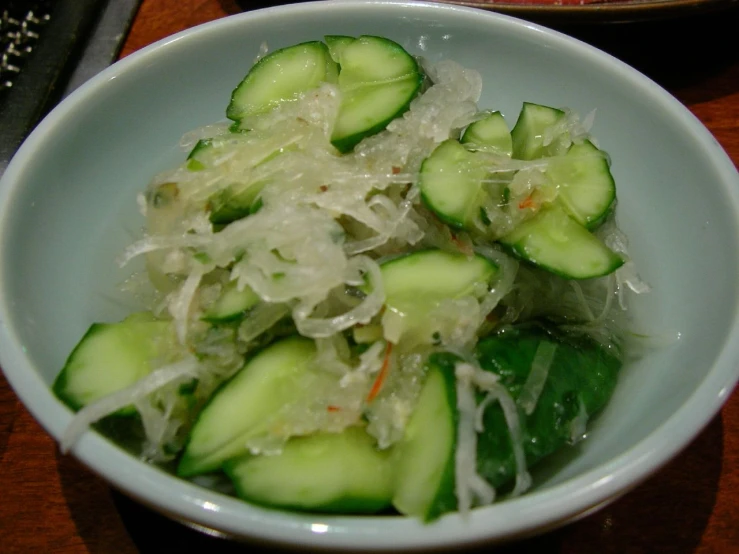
(333, 408)
(527, 202)
(382, 375)
(463, 247)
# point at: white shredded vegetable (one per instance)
(276, 210)
(496, 392)
(471, 489)
(91, 413)
(537, 378)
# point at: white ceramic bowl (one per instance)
(67, 209)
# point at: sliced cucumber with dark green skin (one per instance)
(111, 357)
(232, 305)
(492, 132)
(451, 183)
(234, 203)
(239, 199)
(280, 76)
(336, 45)
(556, 242)
(425, 457)
(580, 380)
(206, 152)
(586, 188)
(528, 132)
(326, 472)
(378, 79)
(251, 403)
(194, 163)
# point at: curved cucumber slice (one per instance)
(492, 132)
(342, 472)
(428, 276)
(232, 304)
(336, 45)
(250, 404)
(280, 76)
(528, 132)
(586, 187)
(558, 243)
(111, 357)
(425, 473)
(415, 284)
(451, 183)
(378, 79)
(580, 380)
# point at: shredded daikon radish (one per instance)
(190, 139)
(107, 405)
(488, 382)
(506, 277)
(179, 306)
(568, 129)
(627, 275)
(333, 354)
(471, 489)
(309, 244)
(390, 411)
(362, 313)
(537, 378)
(586, 307)
(370, 363)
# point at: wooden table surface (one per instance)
(50, 503)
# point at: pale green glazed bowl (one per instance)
(68, 207)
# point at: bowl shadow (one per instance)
(667, 513)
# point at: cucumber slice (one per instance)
(492, 132)
(558, 243)
(581, 379)
(111, 357)
(250, 404)
(336, 45)
(427, 276)
(528, 132)
(378, 79)
(206, 152)
(232, 305)
(326, 472)
(281, 76)
(234, 203)
(194, 161)
(425, 467)
(451, 183)
(586, 187)
(239, 199)
(416, 283)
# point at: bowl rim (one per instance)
(544, 509)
